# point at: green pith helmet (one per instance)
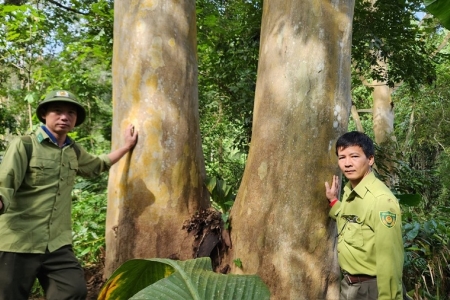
(61, 96)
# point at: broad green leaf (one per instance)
(183, 280)
(210, 184)
(133, 276)
(440, 9)
(29, 98)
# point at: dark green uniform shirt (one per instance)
(36, 194)
(370, 235)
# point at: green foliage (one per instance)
(89, 216)
(48, 46)
(426, 239)
(222, 196)
(168, 279)
(228, 43)
(387, 32)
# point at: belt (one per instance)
(351, 279)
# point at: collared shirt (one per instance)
(68, 141)
(370, 235)
(36, 194)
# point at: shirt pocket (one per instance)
(43, 171)
(72, 173)
(353, 234)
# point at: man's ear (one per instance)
(43, 113)
(371, 160)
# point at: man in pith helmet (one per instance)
(37, 175)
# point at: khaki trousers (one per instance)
(59, 273)
(366, 290)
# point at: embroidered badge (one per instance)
(388, 218)
(40, 137)
(62, 94)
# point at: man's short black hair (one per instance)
(356, 138)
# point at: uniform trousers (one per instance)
(366, 290)
(59, 273)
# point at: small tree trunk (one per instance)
(383, 113)
(158, 186)
(383, 127)
(279, 224)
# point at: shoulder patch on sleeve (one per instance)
(388, 218)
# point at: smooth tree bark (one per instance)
(280, 227)
(383, 113)
(159, 185)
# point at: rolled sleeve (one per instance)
(92, 165)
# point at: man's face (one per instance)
(60, 117)
(354, 164)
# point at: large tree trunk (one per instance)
(279, 224)
(160, 184)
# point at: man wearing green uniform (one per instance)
(36, 179)
(370, 246)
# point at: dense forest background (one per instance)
(48, 44)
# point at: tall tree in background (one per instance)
(279, 224)
(160, 185)
(389, 48)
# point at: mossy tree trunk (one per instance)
(159, 185)
(280, 227)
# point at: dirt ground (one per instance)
(94, 280)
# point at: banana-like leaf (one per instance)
(440, 9)
(169, 279)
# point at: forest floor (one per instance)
(94, 280)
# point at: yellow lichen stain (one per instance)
(130, 91)
(240, 205)
(163, 194)
(260, 241)
(172, 42)
(317, 8)
(262, 170)
(149, 4)
(194, 174)
(320, 233)
(152, 82)
(156, 53)
(177, 179)
(151, 161)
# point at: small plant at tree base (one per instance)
(238, 263)
(222, 197)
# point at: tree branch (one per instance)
(67, 8)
